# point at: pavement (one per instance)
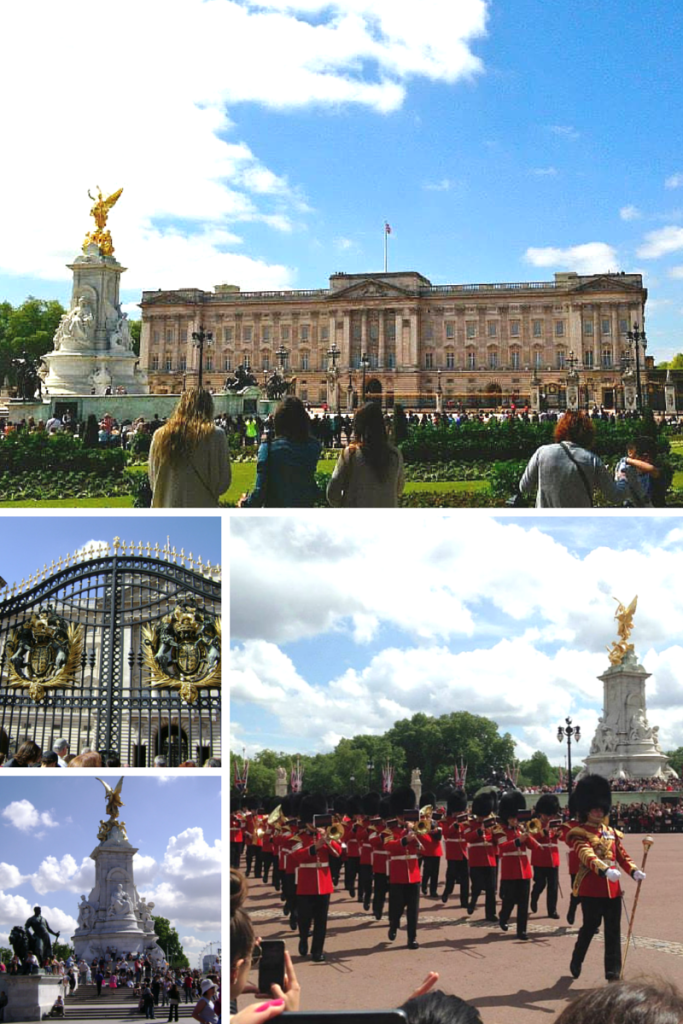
(509, 980)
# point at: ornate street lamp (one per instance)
(282, 354)
(637, 338)
(569, 732)
(371, 768)
(199, 339)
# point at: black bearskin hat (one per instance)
(548, 804)
(402, 799)
(592, 791)
(339, 804)
(251, 803)
(353, 806)
(428, 799)
(385, 807)
(370, 804)
(236, 803)
(511, 803)
(483, 804)
(457, 801)
(312, 804)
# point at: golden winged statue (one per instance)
(114, 800)
(624, 617)
(100, 211)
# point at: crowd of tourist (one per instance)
(648, 816)
(30, 755)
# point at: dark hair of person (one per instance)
(654, 1001)
(113, 762)
(242, 936)
(91, 436)
(239, 888)
(645, 445)
(575, 426)
(436, 1007)
(27, 753)
(291, 420)
(49, 759)
(370, 434)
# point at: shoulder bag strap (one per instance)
(584, 479)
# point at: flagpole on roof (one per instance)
(387, 232)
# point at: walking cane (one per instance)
(647, 843)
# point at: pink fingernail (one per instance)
(267, 1006)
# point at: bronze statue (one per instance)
(100, 211)
(277, 386)
(39, 933)
(28, 379)
(242, 378)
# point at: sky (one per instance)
(48, 831)
(342, 627)
(27, 543)
(264, 143)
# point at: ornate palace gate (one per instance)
(118, 650)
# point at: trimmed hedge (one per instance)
(60, 453)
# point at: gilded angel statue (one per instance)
(114, 800)
(624, 617)
(100, 211)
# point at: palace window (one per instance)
(607, 358)
(208, 364)
(373, 330)
(374, 360)
(156, 337)
(227, 363)
(429, 360)
(155, 362)
(304, 332)
(390, 330)
(304, 360)
(428, 334)
(183, 364)
(623, 326)
(471, 359)
(514, 358)
(588, 359)
(492, 329)
(246, 334)
(560, 359)
(265, 333)
(450, 359)
(169, 363)
(538, 359)
(606, 326)
(169, 334)
(588, 327)
(227, 333)
(493, 359)
(471, 330)
(265, 361)
(391, 361)
(514, 328)
(324, 333)
(559, 328)
(284, 332)
(450, 329)
(537, 328)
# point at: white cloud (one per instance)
(589, 258)
(56, 875)
(661, 242)
(187, 888)
(630, 213)
(674, 181)
(565, 131)
(17, 909)
(676, 273)
(10, 876)
(443, 185)
(164, 134)
(24, 816)
(544, 172)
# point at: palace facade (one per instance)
(399, 337)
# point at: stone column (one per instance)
(346, 339)
(380, 341)
(669, 395)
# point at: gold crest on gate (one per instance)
(184, 651)
(43, 652)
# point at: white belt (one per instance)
(459, 841)
(317, 864)
(479, 844)
(409, 856)
(515, 854)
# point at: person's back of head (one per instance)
(190, 422)
(436, 1007)
(654, 1001)
(239, 888)
(576, 426)
(291, 420)
(369, 432)
(49, 760)
(61, 747)
(160, 761)
(28, 753)
(90, 760)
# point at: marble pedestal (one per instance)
(77, 373)
(625, 745)
(29, 995)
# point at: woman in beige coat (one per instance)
(189, 462)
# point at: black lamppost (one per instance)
(569, 731)
(333, 354)
(371, 768)
(637, 338)
(199, 339)
(364, 362)
(352, 780)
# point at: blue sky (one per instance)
(343, 627)
(265, 143)
(48, 829)
(29, 542)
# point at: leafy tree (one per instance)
(62, 950)
(169, 942)
(538, 771)
(29, 328)
(135, 332)
(6, 955)
(676, 760)
(674, 364)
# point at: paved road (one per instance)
(509, 980)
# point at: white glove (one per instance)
(638, 876)
(613, 874)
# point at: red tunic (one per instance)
(380, 857)
(456, 847)
(480, 848)
(573, 861)
(546, 854)
(514, 862)
(598, 847)
(351, 839)
(236, 829)
(431, 844)
(363, 836)
(403, 865)
(312, 868)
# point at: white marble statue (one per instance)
(85, 914)
(145, 909)
(638, 727)
(121, 903)
(76, 328)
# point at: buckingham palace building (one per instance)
(399, 338)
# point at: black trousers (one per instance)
(335, 870)
(430, 875)
(404, 896)
(266, 861)
(549, 877)
(484, 880)
(365, 882)
(458, 871)
(574, 901)
(236, 854)
(596, 909)
(313, 910)
(250, 858)
(351, 873)
(515, 893)
(277, 883)
(381, 883)
(289, 889)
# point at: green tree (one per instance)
(676, 760)
(29, 328)
(674, 364)
(538, 771)
(62, 950)
(135, 331)
(6, 954)
(169, 942)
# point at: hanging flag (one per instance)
(387, 228)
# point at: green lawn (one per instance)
(124, 502)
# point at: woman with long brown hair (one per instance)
(189, 462)
(369, 472)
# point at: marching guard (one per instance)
(457, 866)
(313, 878)
(403, 847)
(545, 855)
(482, 854)
(515, 870)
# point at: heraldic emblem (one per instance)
(43, 653)
(184, 651)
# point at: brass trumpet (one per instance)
(335, 832)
